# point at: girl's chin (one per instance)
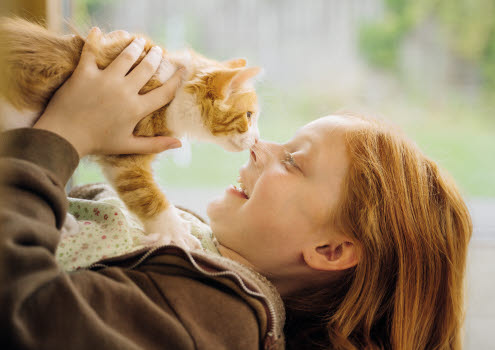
(212, 207)
(221, 206)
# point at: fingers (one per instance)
(118, 34)
(88, 57)
(114, 36)
(148, 145)
(162, 95)
(124, 61)
(146, 68)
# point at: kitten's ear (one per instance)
(221, 81)
(235, 63)
(244, 75)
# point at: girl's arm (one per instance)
(95, 111)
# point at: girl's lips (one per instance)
(232, 190)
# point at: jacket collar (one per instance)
(249, 280)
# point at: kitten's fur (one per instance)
(211, 105)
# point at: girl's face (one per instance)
(292, 190)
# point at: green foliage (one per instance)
(380, 43)
(468, 25)
(84, 8)
(396, 6)
(488, 65)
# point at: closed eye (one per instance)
(290, 161)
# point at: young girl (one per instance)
(359, 233)
(363, 236)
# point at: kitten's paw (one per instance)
(169, 228)
(186, 242)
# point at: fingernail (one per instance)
(176, 144)
(141, 41)
(157, 49)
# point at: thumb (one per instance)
(88, 57)
(157, 144)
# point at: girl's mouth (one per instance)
(241, 187)
(233, 189)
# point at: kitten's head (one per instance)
(228, 103)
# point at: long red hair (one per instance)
(413, 228)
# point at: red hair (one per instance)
(413, 229)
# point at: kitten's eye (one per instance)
(248, 114)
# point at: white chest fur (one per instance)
(183, 114)
(184, 118)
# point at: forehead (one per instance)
(326, 155)
(329, 124)
(325, 134)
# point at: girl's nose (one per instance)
(265, 151)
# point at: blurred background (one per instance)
(427, 66)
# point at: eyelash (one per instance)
(289, 159)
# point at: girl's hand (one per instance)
(97, 110)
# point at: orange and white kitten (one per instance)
(216, 103)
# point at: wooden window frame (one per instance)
(48, 12)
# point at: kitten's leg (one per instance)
(131, 176)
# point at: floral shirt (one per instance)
(105, 229)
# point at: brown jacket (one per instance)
(163, 298)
